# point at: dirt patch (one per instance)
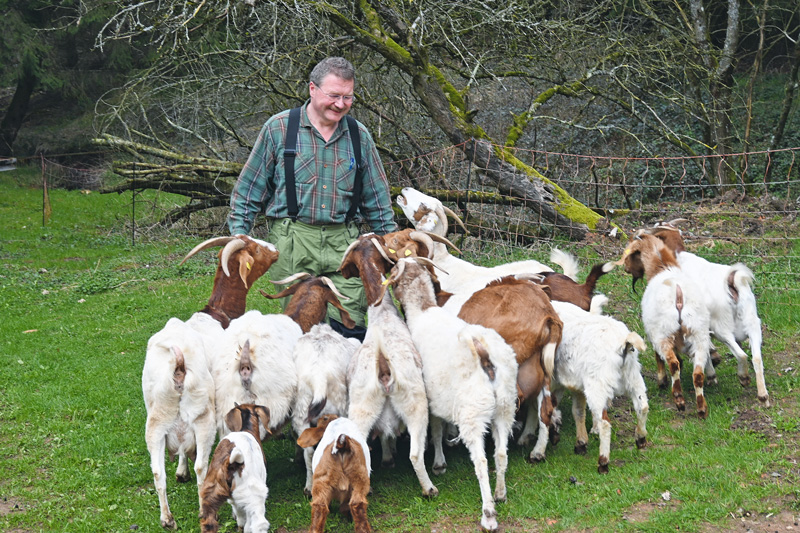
(10, 506)
(754, 421)
(757, 523)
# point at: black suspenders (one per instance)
(290, 151)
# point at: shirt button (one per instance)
(324, 186)
(323, 206)
(325, 165)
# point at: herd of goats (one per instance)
(474, 348)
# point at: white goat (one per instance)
(597, 359)
(731, 303)
(674, 315)
(179, 398)
(470, 377)
(255, 364)
(322, 357)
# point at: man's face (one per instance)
(327, 99)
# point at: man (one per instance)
(325, 174)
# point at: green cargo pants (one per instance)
(318, 250)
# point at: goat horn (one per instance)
(530, 277)
(377, 245)
(234, 245)
(327, 281)
(676, 221)
(424, 238)
(443, 240)
(431, 263)
(455, 217)
(347, 252)
(293, 277)
(216, 241)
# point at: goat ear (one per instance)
(263, 417)
(246, 263)
(234, 419)
(310, 437)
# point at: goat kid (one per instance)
(238, 473)
(341, 467)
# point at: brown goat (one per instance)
(341, 471)
(366, 258)
(310, 298)
(565, 289)
(520, 311)
(251, 258)
(238, 472)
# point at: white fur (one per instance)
(249, 489)
(322, 356)
(178, 421)
(596, 360)
(335, 428)
(274, 377)
(402, 402)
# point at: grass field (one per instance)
(80, 301)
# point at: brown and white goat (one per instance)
(674, 315)
(730, 300)
(341, 467)
(565, 289)
(310, 298)
(251, 258)
(238, 473)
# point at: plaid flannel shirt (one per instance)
(324, 176)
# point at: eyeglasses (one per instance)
(347, 99)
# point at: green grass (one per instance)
(79, 302)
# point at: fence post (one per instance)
(46, 209)
(133, 206)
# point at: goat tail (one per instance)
(631, 368)
(477, 345)
(554, 330)
(237, 456)
(598, 302)
(596, 273)
(740, 280)
(566, 261)
(179, 374)
(319, 395)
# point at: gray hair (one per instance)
(338, 66)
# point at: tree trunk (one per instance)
(15, 114)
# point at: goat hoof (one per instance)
(489, 520)
(169, 523)
(388, 463)
(641, 442)
(500, 498)
(715, 359)
(580, 448)
(744, 380)
(535, 458)
(524, 442)
(183, 478)
(711, 380)
(431, 493)
(306, 492)
(702, 414)
(439, 469)
(554, 437)
(764, 400)
(602, 468)
(663, 383)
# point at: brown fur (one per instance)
(216, 488)
(229, 296)
(399, 245)
(309, 304)
(646, 256)
(565, 289)
(521, 313)
(366, 262)
(342, 477)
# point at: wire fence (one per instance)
(753, 221)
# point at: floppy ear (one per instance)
(245, 264)
(263, 417)
(310, 437)
(234, 419)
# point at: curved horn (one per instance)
(455, 217)
(327, 281)
(234, 245)
(293, 277)
(538, 278)
(381, 250)
(425, 260)
(216, 241)
(347, 252)
(424, 238)
(443, 240)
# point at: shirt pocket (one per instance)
(345, 176)
(305, 168)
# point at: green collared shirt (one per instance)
(324, 176)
